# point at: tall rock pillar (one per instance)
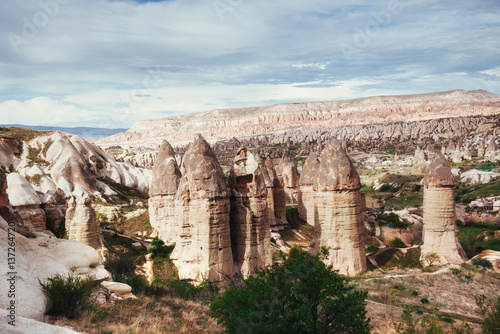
(306, 192)
(440, 234)
(340, 212)
(288, 176)
(250, 230)
(162, 209)
(203, 245)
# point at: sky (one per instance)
(104, 63)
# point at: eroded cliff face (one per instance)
(318, 116)
(288, 177)
(162, 209)
(203, 245)
(84, 226)
(306, 193)
(279, 197)
(250, 227)
(340, 211)
(440, 234)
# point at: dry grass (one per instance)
(164, 314)
(450, 295)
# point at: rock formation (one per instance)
(84, 226)
(26, 202)
(250, 229)
(203, 247)
(288, 177)
(481, 147)
(306, 193)
(491, 150)
(269, 181)
(162, 209)
(317, 117)
(41, 256)
(279, 197)
(340, 211)
(420, 155)
(440, 234)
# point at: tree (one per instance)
(299, 295)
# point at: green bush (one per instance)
(480, 262)
(424, 301)
(159, 251)
(373, 247)
(185, 290)
(69, 295)
(414, 293)
(136, 282)
(121, 264)
(299, 294)
(397, 242)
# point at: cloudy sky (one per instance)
(110, 63)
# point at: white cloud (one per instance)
(122, 61)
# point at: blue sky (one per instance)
(111, 63)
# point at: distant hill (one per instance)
(86, 132)
(309, 117)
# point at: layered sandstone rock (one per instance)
(440, 234)
(26, 202)
(491, 150)
(203, 247)
(306, 192)
(162, 209)
(481, 148)
(279, 197)
(288, 177)
(250, 229)
(269, 181)
(84, 226)
(340, 211)
(420, 155)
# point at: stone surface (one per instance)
(306, 193)
(288, 177)
(250, 229)
(420, 155)
(278, 194)
(269, 181)
(84, 226)
(122, 290)
(162, 209)
(203, 245)
(340, 211)
(26, 202)
(440, 234)
(39, 257)
(25, 325)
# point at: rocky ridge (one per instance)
(312, 118)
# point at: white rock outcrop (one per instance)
(440, 234)
(250, 229)
(340, 211)
(306, 192)
(162, 208)
(203, 245)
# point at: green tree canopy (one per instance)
(298, 295)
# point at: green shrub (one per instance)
(299, 294)
(136, 282)
(185, 290)
(411, 259)
(69, 295)
(397, 242)
(414, 293)
(480, 262)
(424, 301)
(160, 251)
(121, 264)
(373, 247)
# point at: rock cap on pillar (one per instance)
(336, 171)
(166, 172)
(439, 173)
